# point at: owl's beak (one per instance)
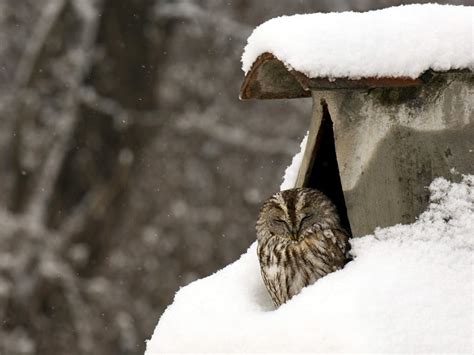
(294, 236)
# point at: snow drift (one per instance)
(408, 289)
(393, 42)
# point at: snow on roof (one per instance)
(408, 289)
(401, 41)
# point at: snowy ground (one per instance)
(408, 289)
(375, 43)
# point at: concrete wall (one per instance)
(391, 143)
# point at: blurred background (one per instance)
(128, 165)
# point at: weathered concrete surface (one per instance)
(391, 143)
(269, 78)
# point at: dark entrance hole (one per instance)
(323, 171)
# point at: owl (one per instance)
(300, 239)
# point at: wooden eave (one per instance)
(269, 78)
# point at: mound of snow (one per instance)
(397, 41)
(408, 289)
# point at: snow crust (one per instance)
(291, 172)
(392, 42)
(408, 289)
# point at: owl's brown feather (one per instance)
(300, 240)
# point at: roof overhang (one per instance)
(269, 78)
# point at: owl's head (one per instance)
(293, 214)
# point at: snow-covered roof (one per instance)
(408, 289)
(396, 42)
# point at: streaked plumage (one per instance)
(300, 240)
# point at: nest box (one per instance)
(375, 144)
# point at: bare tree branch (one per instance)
(95, 202)
(38, 203)
(190, 11)
(121, 115)
(77, 306)
(8, 222)
(40, 34)
(105, 105)
(13, 102)
(206, 124)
